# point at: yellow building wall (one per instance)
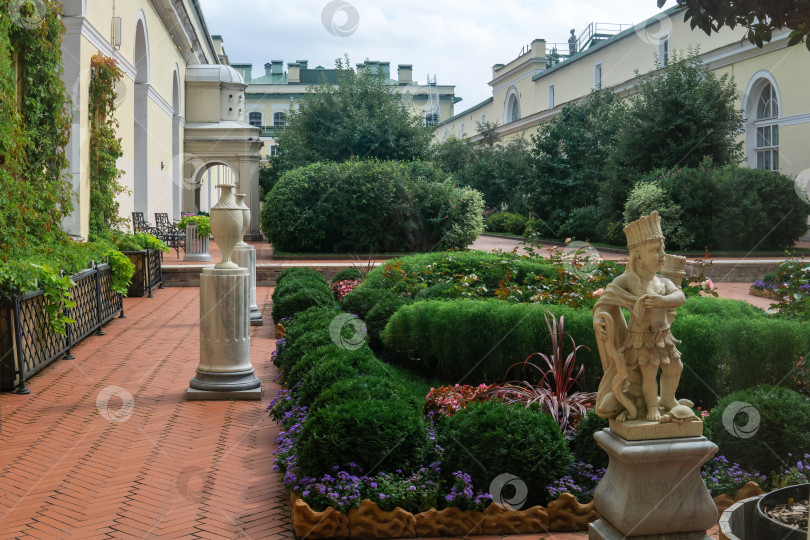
(164, 60)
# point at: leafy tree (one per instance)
(760, 17)
(679, 115)
(453, 155)
(359, 117)
(500, 173)
(489, 133)
(569, 156)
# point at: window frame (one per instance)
(283, 122)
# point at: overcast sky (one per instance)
(456, 40)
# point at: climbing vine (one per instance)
(105, 148)
(35, 116)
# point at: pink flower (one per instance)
(708, 285)
(567, 239)
(598, 292)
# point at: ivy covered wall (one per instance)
(35, 188)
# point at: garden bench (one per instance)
(169, 233)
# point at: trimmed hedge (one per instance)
(762, 444)
(492, 438)
(347, 273)
(506, 222)
(475, 341)
(584, 446)
(341, 365)
(726, 345)
(378, 435)
(351, 206)
(298, 289)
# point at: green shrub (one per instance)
(295, 349)
(699, 345)
(377, 435)
(362, 299)
(299, 289)
(343, 364)
(390, 206)
(584, 445)
(763, 445)
(379, 315)
(581, 223)
(488, 336)
(506, 222)
(347, 273)
(362, 388)
(731, 207)
(303, 365)
(720, 307)
(646, 197)
(309, 296)
(491, 438)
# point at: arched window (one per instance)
(279, 119)
(511, 110)
(255, 119)
(767, 144)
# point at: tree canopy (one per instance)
(760, 17)
(360, 117)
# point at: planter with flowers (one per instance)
(198, 232)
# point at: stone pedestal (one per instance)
(225, 371)
(245, 256)
(653, 490)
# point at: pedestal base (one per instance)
(640, 430)
(192, 394)
(653, 487)
(256, 317)
(230, 381)
(197, 257)
(602, 530)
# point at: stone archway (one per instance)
(219, 137)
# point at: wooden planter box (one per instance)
(148, 272)
(28, 345)
(196, 245)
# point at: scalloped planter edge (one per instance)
(565, 514)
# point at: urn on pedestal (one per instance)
(227, 223)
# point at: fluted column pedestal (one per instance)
(225, 371)
(245, 257)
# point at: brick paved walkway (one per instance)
(71, 467)
(80, 458)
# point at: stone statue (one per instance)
(632, 351)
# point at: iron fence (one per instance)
(28, 345)
(148, 272)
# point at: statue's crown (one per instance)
(674, 264)
(644, 229)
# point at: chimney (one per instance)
(268, 69)
(302, 63)
(495, 69)
(278, 67)
(386, 69)
(293, 72)
(405, 73)
(539, 48)
(246, 70)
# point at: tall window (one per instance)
(514, 109)
(272, 150)
(431, 119)
(279, 119)
(551, 96)
(767, 147)
(663, 51)
(597, 75)
(255, 119)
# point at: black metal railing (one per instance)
(28, 345)
(148, 272)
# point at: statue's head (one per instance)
(645, 240)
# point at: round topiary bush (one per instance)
(307, 296)
(343, 364)
(308, 361)
(584, 445)
(347, 273)
(390, 206)
(378, 435)
(491, 438)
(356, 388)
(758, 427)
(362, 299)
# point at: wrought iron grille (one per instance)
(155, 269)
(28, 345)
